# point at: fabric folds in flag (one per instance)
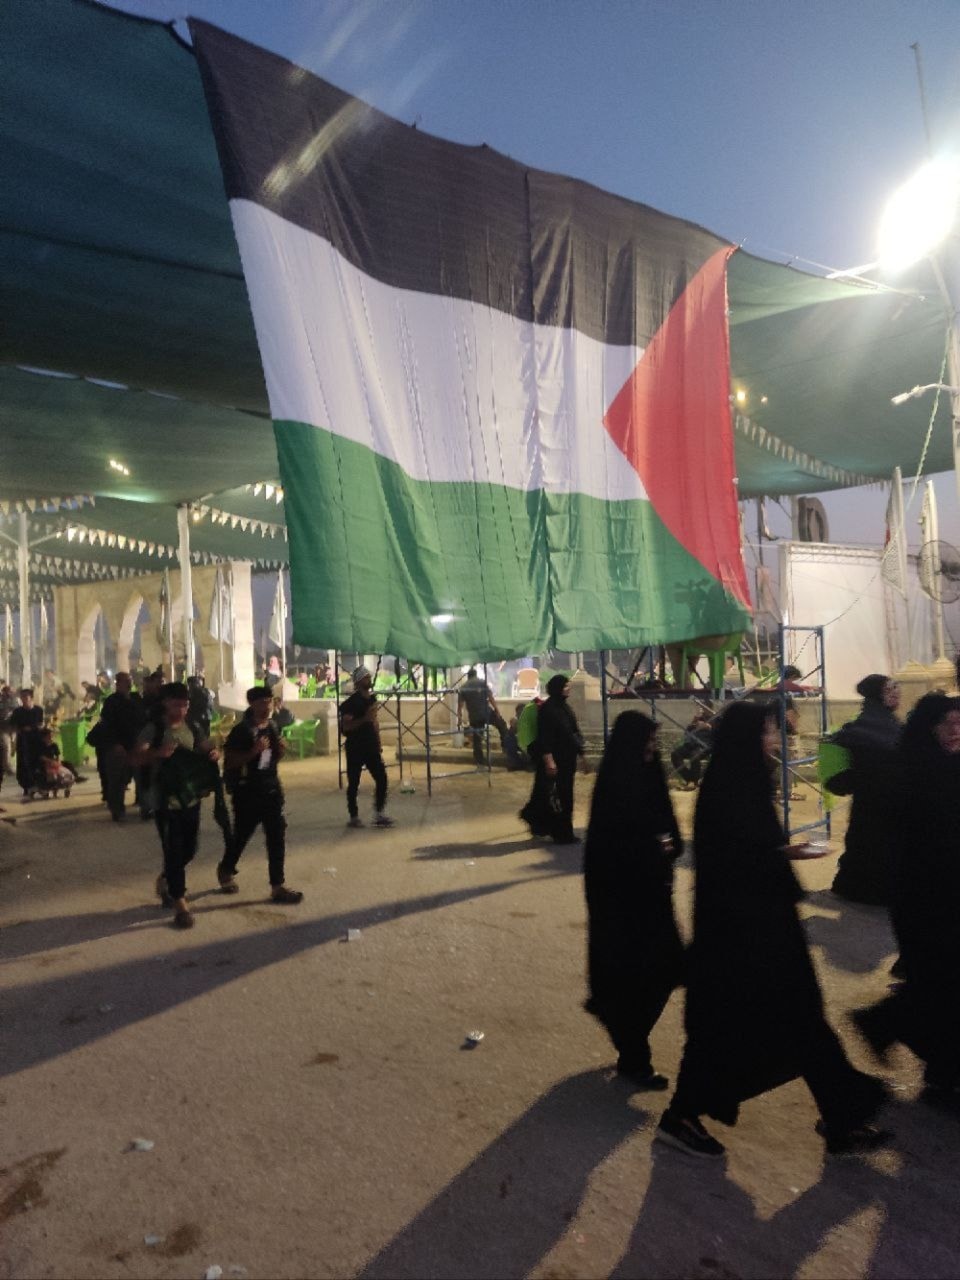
(500, 396)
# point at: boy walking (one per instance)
(251, 753)
(361, 734)
(182, 771)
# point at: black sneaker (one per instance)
(855, 1142)
(226, 880)
(290, 897)
(686, 1133)
(644, 1078)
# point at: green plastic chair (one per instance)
(716, 660)
(302, 734)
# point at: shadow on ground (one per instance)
(854, 937)
(564, 859)
(516, 1201)
(508, 1208)
(45, 1019)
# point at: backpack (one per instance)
(527, 726)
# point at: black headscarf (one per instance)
(737, 757)
(630, 789)
(918, 746)
(556, 685)
(623, 765)
(626, 867)
(871, 688)
(736, 828)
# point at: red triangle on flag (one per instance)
(671, 421)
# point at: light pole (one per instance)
(919, 217)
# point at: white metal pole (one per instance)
(283, 629)
(953, 380)
(23, 573)
(186, 585)
(932, 534)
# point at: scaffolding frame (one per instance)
(418, 728)
(659, 700)
(788, 766)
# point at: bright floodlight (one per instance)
(920, 214)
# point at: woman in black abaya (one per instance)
(865, 870)
(557, 748)
(754, 1013)
(925, 1012)
(634, 953)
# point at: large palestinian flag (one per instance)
(500, 396)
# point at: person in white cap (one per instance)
(361, 736)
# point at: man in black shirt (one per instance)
(361, 735)
(250, 772)
(122, 716)
(26, 721)
(475, 694)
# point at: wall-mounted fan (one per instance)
(939, 570)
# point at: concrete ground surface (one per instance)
(312, 1103)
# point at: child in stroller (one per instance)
(52, 776)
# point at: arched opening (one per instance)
(96, 651)
(179, 653)
(130, 640)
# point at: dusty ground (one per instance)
(312, 1105)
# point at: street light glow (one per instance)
(920, 214)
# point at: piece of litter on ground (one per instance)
(150, 1241)
(213, 1273)
(474, 1037)
(329, 871)
(471, 862)
(795, 1190)
(141, 1144)
(105, 1008)
(353, 935)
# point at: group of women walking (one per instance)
(754, 1016)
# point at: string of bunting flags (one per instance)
(764, 439)
(266, 528)
(271, 492)
(14, 506)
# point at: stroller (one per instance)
(51, 776)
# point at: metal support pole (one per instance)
(426, 732)
(186, 586)
(603, 697)
(932, 534)
(399, 728)
(336, 685)
(23, 574)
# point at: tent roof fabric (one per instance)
(118, 262)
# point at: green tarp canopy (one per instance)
(118, 262)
